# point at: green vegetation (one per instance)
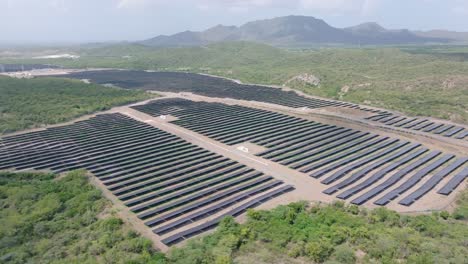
(415, 80)
(26, 103)
(46, 219)
(63, 220)
(335, 233)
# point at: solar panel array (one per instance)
(170, 184)
(420, 124)
(208, 86)
(359, 166)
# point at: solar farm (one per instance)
(167, 182)
(352, 163)
(181, 163)
(209, 86)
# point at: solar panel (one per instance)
(234, 212)
(352, 158)
(462, 135)
(394, 179)
(335, 155)
(214, 208)
(454, 182)
(380, 174)
(319, 154)
(406, 122)
(413, 180)
(318, 148)
(341, 173)
(364, 171)
(417, 123)
(453, 131)
(432, 182)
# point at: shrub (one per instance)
(319, 251)
(344, 254)
(445, 215)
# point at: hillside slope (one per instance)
(446, 34)
(292, 31)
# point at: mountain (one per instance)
(373, 33)
(294, 30)
(446, 34)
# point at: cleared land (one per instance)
(184, 182)
(361, 165)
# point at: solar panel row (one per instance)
(208, 86)
(423, 125)
(157, 175)
(234, 212)
(310, 147)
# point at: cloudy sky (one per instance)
(48, 21)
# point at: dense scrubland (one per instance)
(49, 219)
(45, 219)
(427, 80)
(27, 103)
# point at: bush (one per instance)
(319, 251)
(444, 214)
(344, 254)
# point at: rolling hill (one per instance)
(294, 31)
(454, 35)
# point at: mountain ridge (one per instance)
(295, 30)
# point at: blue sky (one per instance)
(48, 21)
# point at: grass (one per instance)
(429, 81)
(28, 103)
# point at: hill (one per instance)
(293, 31)
(445, 34)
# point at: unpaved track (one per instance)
(307, 188)
(346, 117)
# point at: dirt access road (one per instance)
(346, 117)
(307, 188)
